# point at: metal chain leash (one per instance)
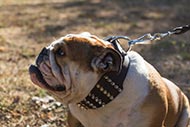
(148, 38)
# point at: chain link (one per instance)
(148, 38)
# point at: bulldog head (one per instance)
(71, 66)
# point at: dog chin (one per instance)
(38, 79)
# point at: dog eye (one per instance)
(60, 52)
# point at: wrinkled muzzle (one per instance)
(44, 74)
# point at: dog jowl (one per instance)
(104, 88)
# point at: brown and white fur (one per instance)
(76, 62)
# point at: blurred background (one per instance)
(26, 26)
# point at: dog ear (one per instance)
(109, 60)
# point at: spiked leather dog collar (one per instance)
(107, 88)
(110, 84)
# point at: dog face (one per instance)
(71, 66)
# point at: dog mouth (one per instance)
(37, 76)
(38, 79)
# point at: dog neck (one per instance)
(106, 89)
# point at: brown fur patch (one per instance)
(82, 50)
(173, 114)
(161, 97)
(156, 101)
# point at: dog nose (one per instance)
(44, 53)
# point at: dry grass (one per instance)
(28, 25)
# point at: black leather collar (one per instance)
(106, 89)
(110, 84)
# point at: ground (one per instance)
(26, 26)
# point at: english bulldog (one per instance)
(106, 87)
